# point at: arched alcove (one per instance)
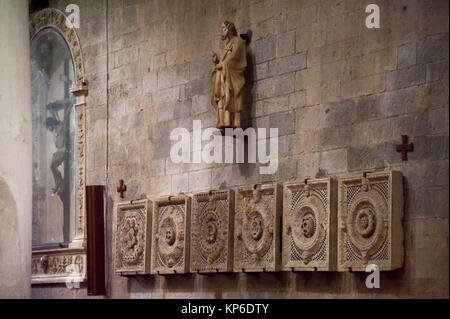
(59, 93)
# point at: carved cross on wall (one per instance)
(404, 148)
(121, 188)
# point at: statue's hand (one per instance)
(218, 66)
(215, 59)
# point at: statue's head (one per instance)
(51, 123)
(44, 49)
(228, 30)
(43, 53)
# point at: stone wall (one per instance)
(341, 96)
(15, 141)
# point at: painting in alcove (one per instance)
(54, 140)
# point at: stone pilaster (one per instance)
(15, 151)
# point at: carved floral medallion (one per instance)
(309, 213)
(133, 237)
(257, 221)
(370, 213)
(171, 225)
(212, 226)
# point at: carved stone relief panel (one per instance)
(309, 225)
(132, 237)
(171, 235)
(370, 221)
(212, 232)
(257, 228)
(59, 266)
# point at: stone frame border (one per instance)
(394, 218)
(147, 206)
(275, 190)
(157, 204)
(56, 19)
(227, 265)
(328, 184)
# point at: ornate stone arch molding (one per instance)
(66, 265)
(54, 18)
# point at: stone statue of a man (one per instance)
(228, 78)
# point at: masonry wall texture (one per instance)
(340, 94)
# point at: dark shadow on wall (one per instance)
(36, 5)
(246, 116)
(189, 284)
(247, 169)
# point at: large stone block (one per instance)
(200, 180)
(373, 84)
(197, 87)
(264, 50)
(200, 68)
(257, 228)
(370, 216)
(284, 122)
(212, 232)
(287, 64)
(149, 82)
(369, 107)
(310, 37)
(438, 120)
(335, 137)
(412, 76)
(132, 237)
(308, 164)
(273, 105)
(276, 86)
(373, 156)
(171, 235)
(180, 182)
(297, 99)
(126, 56)
(406, 55)
(437, 71)
(309, 225)
(201, 103)
(285, 44)
(433, 49)
(334, 161)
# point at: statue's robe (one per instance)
(228, 81)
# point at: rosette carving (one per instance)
(211, 231)
(132, 237)
(365, 214)
(257, 216)
(309, 213)
(171, 229)
(308, 226)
